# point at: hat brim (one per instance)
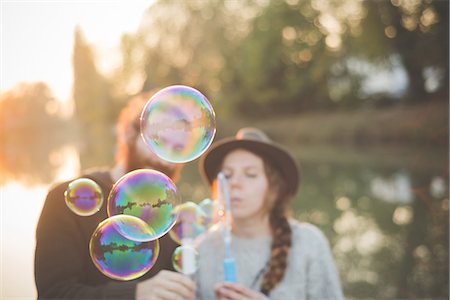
(211, 161)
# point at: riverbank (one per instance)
(425, 124)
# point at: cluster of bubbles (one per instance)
(178, 125)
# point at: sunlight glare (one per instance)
(20, 209)
(39, 46)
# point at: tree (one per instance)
(184, 42)
(288, 56)
(93, 109)
(30, 130)
(418, 33)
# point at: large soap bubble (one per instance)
(149, 195)
(84, 197)
(118, 257)
(178, 123)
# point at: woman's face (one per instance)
(248, 183)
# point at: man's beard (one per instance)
(134, 161)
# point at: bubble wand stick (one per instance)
(229, 266)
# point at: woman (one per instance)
(276, 257)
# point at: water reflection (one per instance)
(396, 189)
(31, 128)
(438, 187)
(20, 207)
(31, 162)
(386, 219)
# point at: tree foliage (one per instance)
(280, 56)
(417, 32)
(93, 107)
(187, 42)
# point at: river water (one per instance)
(384, 211)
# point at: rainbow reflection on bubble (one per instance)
(185, 259)
(118, 257)
(178, 123)
(190, 223)
(134, 229)
(84, 197)
(149, 195)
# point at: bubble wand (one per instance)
(229, 266)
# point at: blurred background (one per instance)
(358, 91)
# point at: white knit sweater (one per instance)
(310, 274)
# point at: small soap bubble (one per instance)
(149, 195)
(190, 223)
(84, 197)
(210, 209)
(185, 259)
(118, 257)
(178, 123)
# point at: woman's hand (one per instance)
(236, 291)
(166, 285)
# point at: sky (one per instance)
(37, 38)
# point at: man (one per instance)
(63, 267)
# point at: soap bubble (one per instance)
(118, 257)
(178, 123)
(134, 229)
(185, 259)
(190, 223)
(84, 197)
(149, 195)
(209, 208)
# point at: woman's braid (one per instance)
(281, 231)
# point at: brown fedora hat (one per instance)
(255, 141)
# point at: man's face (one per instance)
(141, 157)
